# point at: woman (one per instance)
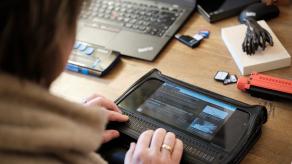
(36, 38)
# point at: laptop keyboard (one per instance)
(133, 16)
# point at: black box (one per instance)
(215, 10)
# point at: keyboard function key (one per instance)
(82, 47)
(76, 45)
(89, 51)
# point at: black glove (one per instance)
(255, 37)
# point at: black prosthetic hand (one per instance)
(256, 37)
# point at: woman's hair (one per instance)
(30, 35)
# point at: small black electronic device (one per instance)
(259, 11)
(213, 128)
(220, 9)
(188, 40)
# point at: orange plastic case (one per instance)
(266, 82)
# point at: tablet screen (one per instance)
(185, 109)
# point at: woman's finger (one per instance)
(157, 140)
(109, 135)
(85, 100)
(168, 145)
(104, 102)
(118, 117)
(177, 150)
(129, 154)
(110, 105)
(144, 140)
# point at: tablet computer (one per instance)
(189, 112)
(213, 128)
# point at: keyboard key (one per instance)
(128, 25)
(82, 47)
(136, 16)
(77, 45)
(142, 28)
(97, 61)
(89, 51)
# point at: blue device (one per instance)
(91, 59)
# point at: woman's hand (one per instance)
(113, 113)
(155, 147)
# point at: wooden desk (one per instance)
(198, 66)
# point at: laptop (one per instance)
(135, 28)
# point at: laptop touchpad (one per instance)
(96, 36)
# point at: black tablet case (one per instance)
(115, 150)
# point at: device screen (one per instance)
(187, 110)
